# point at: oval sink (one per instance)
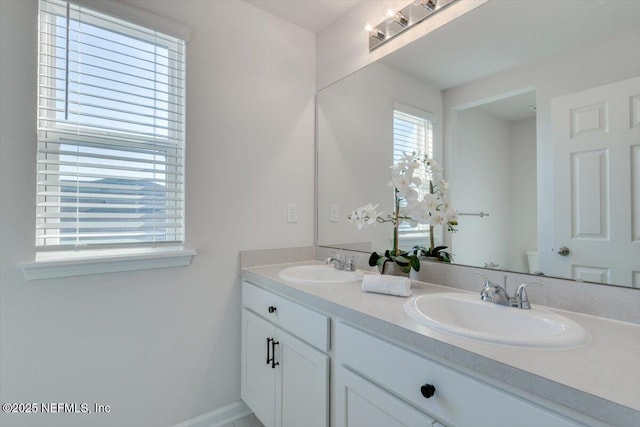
(467, 315)
(318, 274)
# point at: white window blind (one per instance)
(413, 133)
(110, 131)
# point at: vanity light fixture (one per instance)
(374, 32)
(397, 21)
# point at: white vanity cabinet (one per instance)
(376, 376)
(360, 403)
(285, 371)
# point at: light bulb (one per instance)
(430, 5)
(389, 12)
(374, 32)
(400, 19)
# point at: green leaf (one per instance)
(402, 262)
(402, 259)
(380, 264)
(415, 263)
(404, 268)
(373, 259)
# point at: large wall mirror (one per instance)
(533, 108)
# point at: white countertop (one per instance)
(600, 379)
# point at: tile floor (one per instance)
(248, 421)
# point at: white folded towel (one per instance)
(387, 284)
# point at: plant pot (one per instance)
(392, 269)
(430, 258)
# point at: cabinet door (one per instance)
(302, 388)
(258, 383)
(361, 404)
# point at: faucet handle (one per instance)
(521, 299)
(350, 263)
(486, 283)
(482, 277)
(334, 257)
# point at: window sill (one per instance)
(67, 264)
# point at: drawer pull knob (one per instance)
(272, 309)
(427, 390)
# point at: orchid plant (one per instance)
(431, 209)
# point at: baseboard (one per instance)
(219, 417)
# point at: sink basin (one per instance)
(319, 274)
(467, 315)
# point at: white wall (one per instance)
(355, 143)
(522, 180)
(605, 61)
(160, 346)
(495, 173)
(481, 183)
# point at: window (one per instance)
(110, 131)
(413, 133)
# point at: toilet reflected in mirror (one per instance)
(532, 262)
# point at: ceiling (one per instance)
(313, 15)
(501, 35)
(512, 108)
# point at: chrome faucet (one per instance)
(347, 264)
(494, 293)
(498, 294)
(521, 299)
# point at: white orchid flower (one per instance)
(433, 209)
(451, 216)
(434, 166)
(411, 196)
(419, 212)
(400, 182)
(409, 157)
(437, 219)
(412, 161)
(364, 215)
(397, 169)
(411, 205)
(407, 163)
(431, 202)
(404, 185)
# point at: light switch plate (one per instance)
(333, 213)
(292, 213)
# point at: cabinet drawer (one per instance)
(459, 400)
(360, 403)
(300, 321)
